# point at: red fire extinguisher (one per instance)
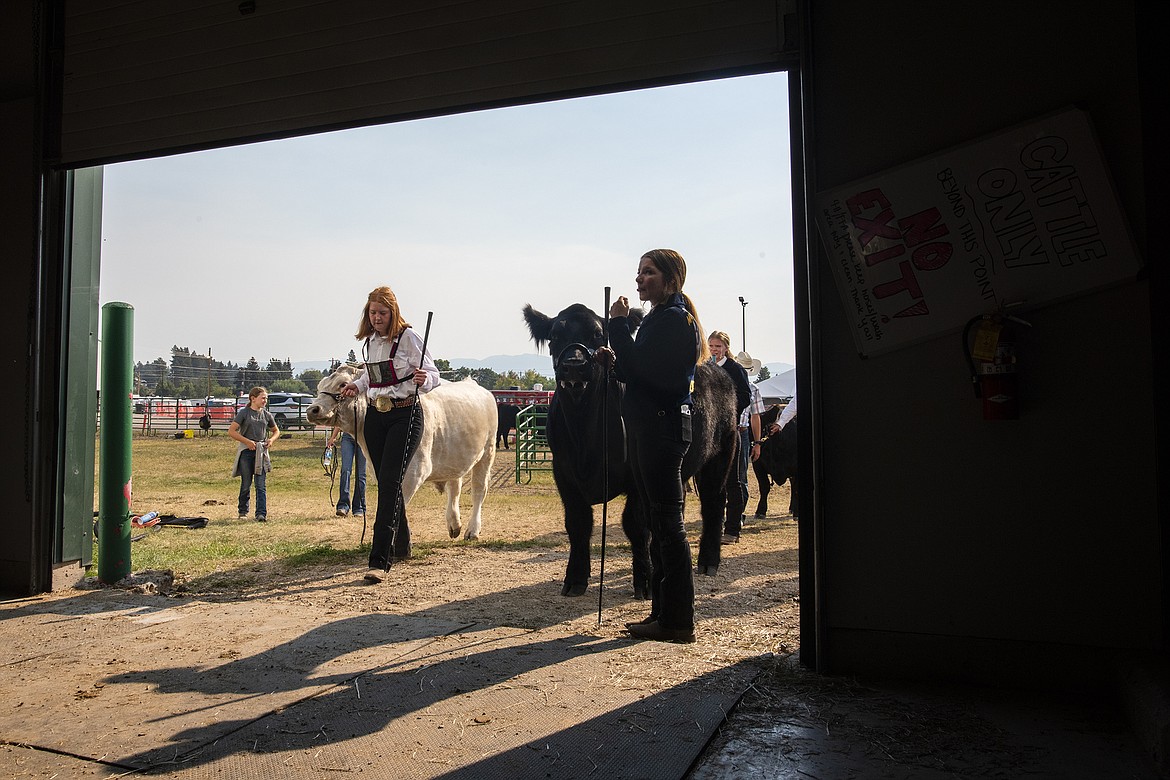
(994, 362)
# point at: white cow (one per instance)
(458, 438)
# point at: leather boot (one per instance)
(657, 633)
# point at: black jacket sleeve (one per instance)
(658, 366)
(739, 377)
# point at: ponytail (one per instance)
(674, 269)
(703, 352)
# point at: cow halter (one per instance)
(589, 353)
(339, 399)
(575, 347)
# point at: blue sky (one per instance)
(269, 250)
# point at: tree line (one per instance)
(189, 374)
(193, 375)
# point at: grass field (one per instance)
(192, 477)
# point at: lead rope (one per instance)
(604, 457)
(360, 410)
(407, 450)
(366, 360)
(332, 472)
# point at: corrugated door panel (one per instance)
(148, 76)
(74, 532)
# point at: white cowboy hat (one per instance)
(748, 362)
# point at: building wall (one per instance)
(19, 210)
(1023, 546)
(18, 199)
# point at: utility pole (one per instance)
(209, 380)
(743, 333)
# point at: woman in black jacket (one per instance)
(658, 368)
(720, 345)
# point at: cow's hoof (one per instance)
(707, 570)
(454, 532)
(641, 593)
(761, 516)
(471, 537)
(572, 590)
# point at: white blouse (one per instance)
(409, 357)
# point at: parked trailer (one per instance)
(523, 398)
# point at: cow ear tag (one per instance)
(986, 339)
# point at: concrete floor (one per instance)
(802, 726)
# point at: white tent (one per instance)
(777, 387)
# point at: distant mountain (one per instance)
(541, 364)
(304, 365)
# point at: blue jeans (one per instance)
(248, 465)
(351, 454)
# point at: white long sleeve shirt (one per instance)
(788, 412)
(408, 357)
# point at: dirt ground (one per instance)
(751, 605)
(790, 722)
(512, 575)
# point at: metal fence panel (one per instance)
(532, 451)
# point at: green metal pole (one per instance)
(117, 416)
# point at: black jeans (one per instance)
(656, 450)
(391, 438)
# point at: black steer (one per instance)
(505, 422)
(777, 463)
(575, 439)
